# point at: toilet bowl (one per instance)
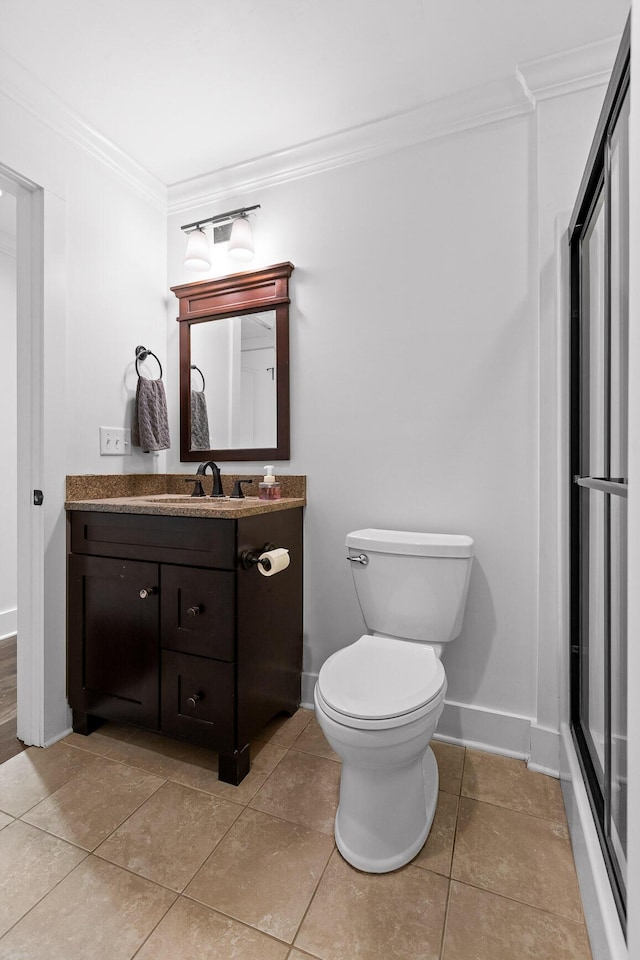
(378, 703)
(378, 700)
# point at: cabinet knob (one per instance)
(147, 592)
(194, 610)
(194, 700)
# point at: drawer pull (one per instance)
(194, 610)
(194, 700)
(147, 592)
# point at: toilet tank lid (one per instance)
(407, 543)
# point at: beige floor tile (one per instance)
(509, 783)
(170, 836)
(199, 769)
(312, 740)
(86, 809)
(375, 916)
(148, 751)
(32, 863)
(518, 856)
(450, 759)
(193, 932)
(437, 852)
(284, 729)
(264, 872)
(299, 955)
(483, 926)
(101, 739)
(303, 789)
(32, 775)
(98, 912)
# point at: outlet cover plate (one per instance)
(115, 442)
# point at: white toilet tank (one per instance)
(411, 585)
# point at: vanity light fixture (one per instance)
(233, 226)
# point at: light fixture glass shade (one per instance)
(241, 240)
(197, 256)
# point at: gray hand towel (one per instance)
(150, 428)
(199, 421)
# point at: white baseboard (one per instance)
(483, 729)
(8, 623)
(309, 681)
(545, 751)
(603, 924)
(58, 736)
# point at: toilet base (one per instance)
(420, 827)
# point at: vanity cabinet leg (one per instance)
(233, 767)
(85, 723)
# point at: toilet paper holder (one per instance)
(249, 558)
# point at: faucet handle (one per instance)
(238, 492)
(198, 490)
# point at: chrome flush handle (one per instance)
(361, 558)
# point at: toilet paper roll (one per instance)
(278, 560)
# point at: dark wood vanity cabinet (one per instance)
(168, 630)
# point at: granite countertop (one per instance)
(162, 495)
(170, 505)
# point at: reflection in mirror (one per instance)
(235, 360)
(234, 366)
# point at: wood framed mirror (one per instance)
(234, 366)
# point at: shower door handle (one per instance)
(616, 486)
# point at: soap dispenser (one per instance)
(269, 489)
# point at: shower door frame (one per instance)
(595, 183)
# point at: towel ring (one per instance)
(193, 367)
(141, 354)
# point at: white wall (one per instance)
(413, 343)
(116, 297)
(8, 431)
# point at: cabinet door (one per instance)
(198, 700)
(113, 639)
(198, 611)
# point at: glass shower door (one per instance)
(599, 304)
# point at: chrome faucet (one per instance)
(215, 471)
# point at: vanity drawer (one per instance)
(201, 541)
(197, 700)
(198, 611)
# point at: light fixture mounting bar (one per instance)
(220, 218)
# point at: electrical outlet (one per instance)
(115, 442)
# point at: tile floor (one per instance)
(126, 845)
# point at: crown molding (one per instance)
(567, 72)
(489, 103)
(41, 102)
(532, 82)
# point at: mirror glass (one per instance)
(233, 382)
(234, 366)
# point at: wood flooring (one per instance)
(9, 743)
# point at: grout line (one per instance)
(313, 895)
(443, 935)
(522, 903)
(523, 813)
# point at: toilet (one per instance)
(378, 700)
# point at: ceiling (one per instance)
(186, 87)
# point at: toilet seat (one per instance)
(381, 682)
